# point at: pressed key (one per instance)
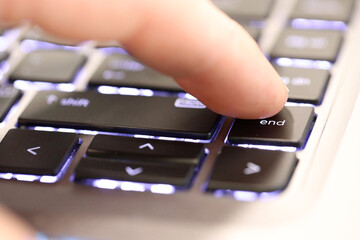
(160, 116)
(290, 127)
(8, 96)
(122, 70)
(308, 44)
(146, 150)
(254, 170)
(330, 10)
(245, 9)
(55, 66)
(36, 153)
(305, 85)
(91, 168)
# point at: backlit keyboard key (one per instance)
(146, 150)
(113, 169)
(160, 116)
(308, 44)
(55, 66)
(122, 70)
(36, 153)
(8, 97)
(253, 170)
(331, 10)
(290, 127)
(305, 85)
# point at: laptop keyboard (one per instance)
(145, 133)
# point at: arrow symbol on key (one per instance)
(252, 168)
(147, 145)
(32, 150)
(133, 171)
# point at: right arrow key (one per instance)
(253, 170)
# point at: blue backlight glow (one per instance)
(30, 45)
(268, 147)
(303, 63)
(92, 133)
(246, 196)
(131, 186)
(301, 23)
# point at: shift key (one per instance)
(157, 116)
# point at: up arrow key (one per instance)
(147, 145)
(32, 150)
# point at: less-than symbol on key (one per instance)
(133, 171)
(252, 168)
(147, 145)
(32, 150)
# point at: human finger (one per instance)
(208, 54)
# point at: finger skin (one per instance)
(13, 228)
(209, 55)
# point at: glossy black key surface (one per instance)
(305, 85)
(114, 169)
(34, 152)
(56, 66)
(146, 150)
(254, 170)
(8, 96)
(122, 70)
(245, 9)
(308, 44)
(290, 127)
(331, 10)
(160, 116)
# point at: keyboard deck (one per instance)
(88, 129)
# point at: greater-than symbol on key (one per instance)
(32, 150)
(133, 171)
(252, 168)
(147, 145)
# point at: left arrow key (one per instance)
(36, 152)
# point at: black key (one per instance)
(146, 150)
(290, 127)
(331, 10)
(308, 44)
(8, 97)
(122, 70)
(101, 168)
(254, 170)
(160, 116)
(245, 9)
(56, 66)
(36, 153)
(36, 33)
(305, 85)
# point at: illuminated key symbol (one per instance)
(133, 171)
(252, 168)
(147, 145)
(51, 99)
(32, 150)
